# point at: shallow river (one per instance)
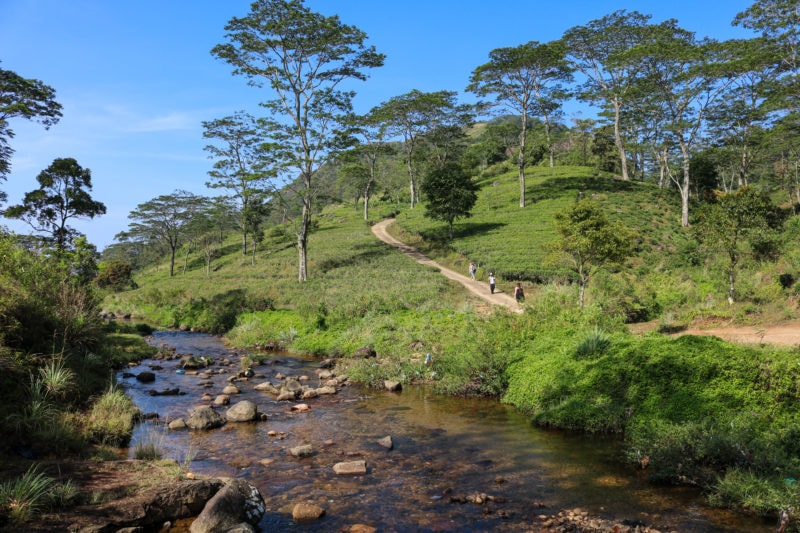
(445, 450)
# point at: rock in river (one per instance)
(204, 417)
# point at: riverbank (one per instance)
(455, 464)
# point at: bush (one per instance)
(115, 275)
(111, 419)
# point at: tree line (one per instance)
(689, 113)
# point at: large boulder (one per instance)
(236, 502)
(148, 511)
(204, 417)
(244, 411)
(146, 376)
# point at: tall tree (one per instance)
(63, 195)
(411, 116)
(527, 79)
(450, 193)
(303, 57)
(361, 164)
(597, 51)
(242, 164)
(588, 241)
(778, 22)
(686, 75)
(732, 223)
(26, 98)
(165, 221)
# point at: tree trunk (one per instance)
(618, 140)
(582, 293)
(244, 243)
(521, 158)
(302, 239)
(172, 262)
(366, 202)
(411, 179)
(685, 187)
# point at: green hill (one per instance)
(692, 409)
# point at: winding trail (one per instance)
(787, 334)
(477, 288)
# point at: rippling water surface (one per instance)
(445, 450)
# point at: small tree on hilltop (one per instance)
(451, 194)
(589, 241)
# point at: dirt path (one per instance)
(478, 288)
(787, 334)
(784, 334)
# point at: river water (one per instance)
(446, 450)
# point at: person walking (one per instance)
(491, 282)
(519, 294)
(472, 270)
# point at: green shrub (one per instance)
(115, 275)
(22, 499)
(111, 419)
(594, 343)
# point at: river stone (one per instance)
(311, 393)
(146, 377)
(325, 374)
(292, 385)
(300, 407)
(362, 528)
(204, 417)
(326, 390)
(236, 502)
(178, 423)
(244, 411)
(231, 389)
(285, 395)
(266, 387)
(304, 450)
(350, 467)
(394, 386)
(303, 512)
(386, 442)
(222, 399)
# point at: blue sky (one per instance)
(136, 79)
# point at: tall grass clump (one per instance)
(23, 498)
(111, 420)
(150, 447)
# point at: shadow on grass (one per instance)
(559, 187)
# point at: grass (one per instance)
(111, 419)
(25, 497)
(688, 405)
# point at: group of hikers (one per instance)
(519, 294)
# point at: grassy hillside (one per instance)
(692, 409)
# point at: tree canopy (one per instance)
(23, 98)
(303, 58)
(63, 195)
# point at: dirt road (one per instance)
(478, 288)
(787, 334)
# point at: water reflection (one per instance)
(445, 450)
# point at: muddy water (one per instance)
(445, 451)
